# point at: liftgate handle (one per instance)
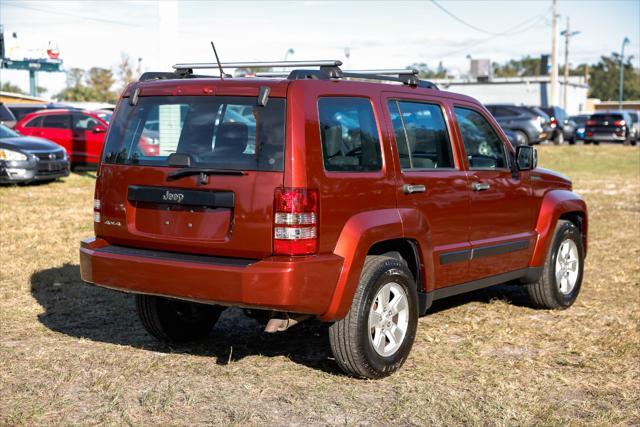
(411, 188)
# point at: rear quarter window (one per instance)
(349, 135)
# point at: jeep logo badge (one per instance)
(172, 197)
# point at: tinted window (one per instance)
(349, 135)
(421, 135)
(34, 123)
(503, 112)
(484, 148)
(84, 122)
(58, 121)
(5, 132)
(210, 129)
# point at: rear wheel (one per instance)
(375, 338)
(523, 137)
(561, 279)
(175, 321)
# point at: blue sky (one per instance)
(383, 34)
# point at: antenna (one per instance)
(222, 74)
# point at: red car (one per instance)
(80, 132)
(353, 202)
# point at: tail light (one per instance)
(295, 221)
(554, 122)
(619, 123)
(591, 122)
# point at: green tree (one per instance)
(525, 66)
(604, 79)
(94, 85)
(424, 72)
(10, 87)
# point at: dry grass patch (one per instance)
(75, 354)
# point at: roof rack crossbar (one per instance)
(283, 64)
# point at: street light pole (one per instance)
(567, 36)
(621, 84)
(553, 99)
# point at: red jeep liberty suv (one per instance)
(322, 193)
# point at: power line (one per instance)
(72, 15)
(508, 32)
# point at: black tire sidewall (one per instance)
(565, 231)
(390, 271)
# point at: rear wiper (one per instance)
(203, 172)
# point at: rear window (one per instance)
(607, 117)
(217, 132)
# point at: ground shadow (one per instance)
(84, 311)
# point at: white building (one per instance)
(521, 91)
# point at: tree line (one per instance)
(603, 76)
(104, 85)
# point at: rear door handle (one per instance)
(480, 186)
(413, 188)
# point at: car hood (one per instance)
(28, 143)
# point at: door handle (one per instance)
(413, 188)
(480, 186)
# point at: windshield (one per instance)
(105, 116)
(216, 132)
(5, 132)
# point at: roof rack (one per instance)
(328, 70)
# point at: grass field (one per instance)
(76, 354)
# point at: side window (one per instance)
(57, 121)
(349, 135)
(503, 112)
(34, 123)
(484, 148)
(83, 122)
(421, 135)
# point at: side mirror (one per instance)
(99, 129)
(526, 157)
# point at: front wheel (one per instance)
(175, 321)
(561, 279)
(375, 337)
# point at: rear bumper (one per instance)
(298, 285)
(605, 137)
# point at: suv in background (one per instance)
(532, 126)
(635, 126)
(21, 110)
(563, 127)
(354, 202)
(80, 132)
(608, 126)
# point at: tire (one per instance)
(352, 338)
(548, 292)
(558, 138)
(572, 141)
(525, 138)
(175, 321)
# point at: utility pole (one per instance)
(553, 99)
(625, 42)
(567, 36)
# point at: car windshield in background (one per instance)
(105, 116)
(5, 132)
(216, 132)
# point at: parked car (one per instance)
(6, 116)
(27, 159)
(532, 126)
(635, 126)
(515, 138)
(19, 111)
(80, 132)
(581, 122)
(563, 127)
(360, 204)
(609, 126)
